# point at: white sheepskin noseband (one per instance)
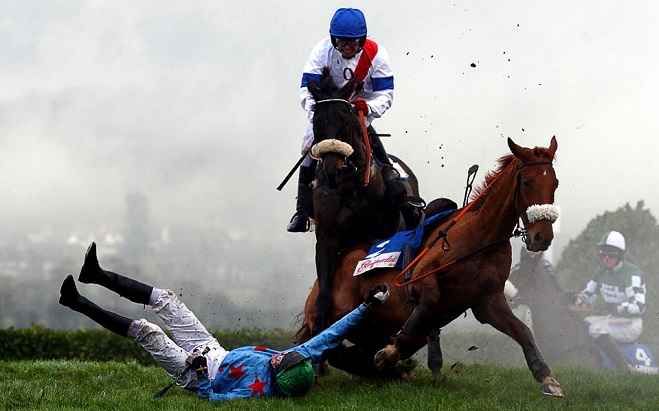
(539, 212)
(331, 146)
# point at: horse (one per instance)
(468, 271)
(558, 325)
(555, 326)
(350, 200)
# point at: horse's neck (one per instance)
(359, 154)
(498, 212)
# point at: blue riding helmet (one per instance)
(348, 23)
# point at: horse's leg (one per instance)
(409, 340)
(435, 358)
(356, 360)
(496, 312)
(326, 254)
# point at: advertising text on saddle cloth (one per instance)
(387, 253)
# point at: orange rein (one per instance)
(367, 142)
(442, 234)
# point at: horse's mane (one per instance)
(503, 162)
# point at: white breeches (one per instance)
(621, 329)
(188, 334)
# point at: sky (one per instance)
(195, 104)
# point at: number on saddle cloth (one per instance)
(637, 355)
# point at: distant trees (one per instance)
(580, 257)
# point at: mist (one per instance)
(195, 106)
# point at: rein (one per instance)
(442, 234)
(367, 142)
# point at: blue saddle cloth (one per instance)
(387, 253)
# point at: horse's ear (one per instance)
(313, 89)
(349, 88)
(553, 145)
(514, 148)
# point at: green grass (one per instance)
(66, 385)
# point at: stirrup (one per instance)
(415, 201)
(294, 226)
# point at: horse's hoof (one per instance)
(551, 387)
(386, 357)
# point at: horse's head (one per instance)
(523, 274)
(535, 187)
(335, 126)
(534, 278)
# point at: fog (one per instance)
(195, 105)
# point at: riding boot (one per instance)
(92, 273)
(390, 175)
(70, 297)
(610, 347)
(304, 204)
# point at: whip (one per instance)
(178, 377)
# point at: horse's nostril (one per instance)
(538, 238)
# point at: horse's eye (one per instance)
(526, 183)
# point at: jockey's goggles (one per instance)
(341, 42)
(610, 254)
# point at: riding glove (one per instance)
(377, 295)
(360, 105)
(200, 365)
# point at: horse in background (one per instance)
(350, 200)
(468, 271)
(560, 331)
(558, 325)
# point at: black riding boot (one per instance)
(391, 178)
(304, 204)
(70, 297)
(92, 273)
(610, 347)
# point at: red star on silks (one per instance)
(257, 387)
(236, 372)
(260, 349)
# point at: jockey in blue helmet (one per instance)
(342, 53)
(348, 31)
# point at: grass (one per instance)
(66, 385)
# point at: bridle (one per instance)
(367, 143)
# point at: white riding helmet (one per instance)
(612, 239)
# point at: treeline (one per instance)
(40, 343)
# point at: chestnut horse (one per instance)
(351, 204)
(467, 269)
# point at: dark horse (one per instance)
(351, 204)
(556, 327)
(559, 325)
(467, 269)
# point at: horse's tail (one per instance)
(304, 333)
